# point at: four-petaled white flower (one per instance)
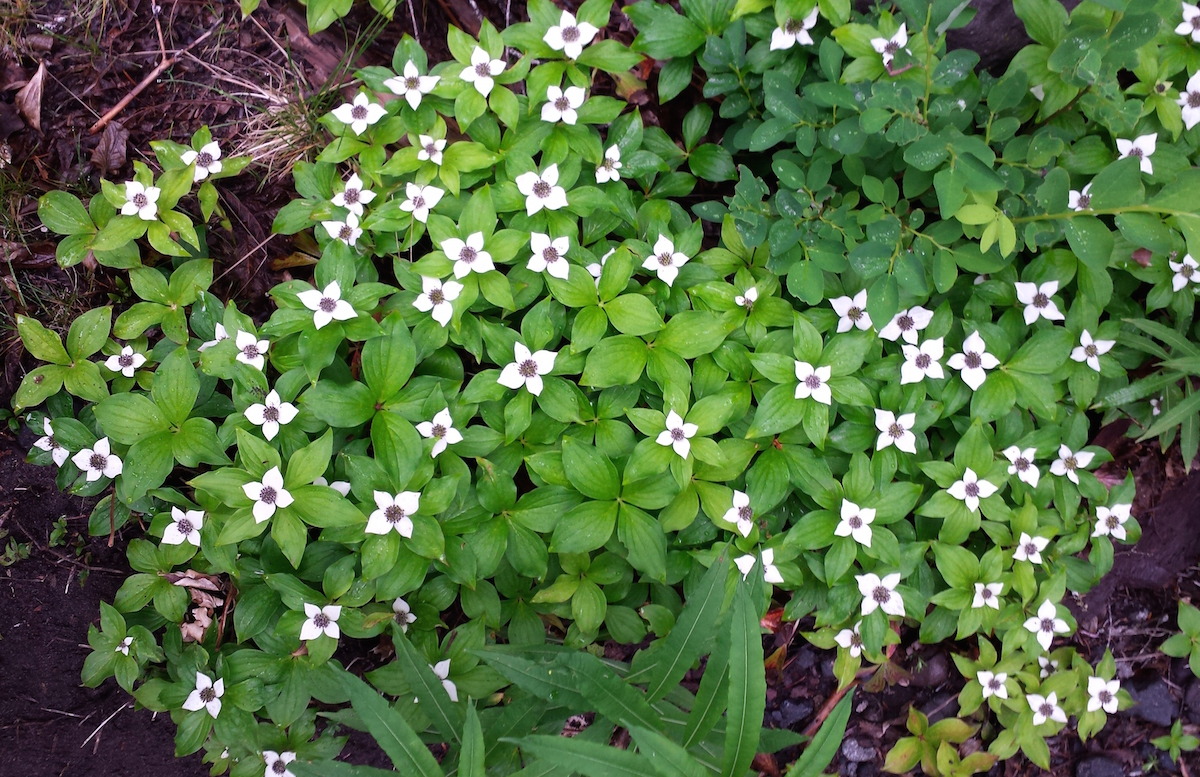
(207, 159)
(219, 335)
(1068, 463)
(771, 572)
(1110, 521)
(971, 489)
(1045, 708)
(327, 305)
(1080, 199)
(442, 670)
(411, 85)
(482, 71)
(1046, 624)
(549, 255)
(353, 196)
(992, 683)
(794, 31)
(359, 114)
(1030, 548)
(974, 361)
(987, 595)
(1022, 464)
(419, 200)
(126, 362)
(850, 639)
(437, 296)
(1191, 22)
(609, 169)
(403, 613)
(852, 312)
(922, 361)
(251, 350)
(570, 36)
(1037, 301)
(1141, 147)
(880, 593)
(271, 414)
(813, 382)
(888, 47)
(468, 255)
(394, 513)
(206, 696)
(1189, 101)
(677, 434)
(1102, 694)
(1046, 667)
(907, 324)
(123, 646)
(429, 148)
(1186, 270)
(1089, 350)
(277, 763)
(563, 104)
(856, 523)
(320, 620)
(140, 201)
(346, 231)
(527, 370)
(184, 527)
(664, 260)
(895, 430)
(541, 190)
(98, 461)
(441, 430)
(267, 494)
(741, 514)
(48, 443)
(596, 269)
(747, 299)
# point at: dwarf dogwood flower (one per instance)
(665, 261)
(271, 414)
(1102, 694)
(895, 430)
(1068, 463)
(327, 305)
(277, 763)
(125, 362)
(403, 613)
(1037, 301)
(482, 71)
(974, 361)
(468, 255)
(609, 169)
(527, 370)
(320, 620)
(852, 312)
(1186, 271)
(563, 104)
(851, 640)
(1189, 101)
(98, 461)
(140, 201)
(206, 696)
(429, 149)
(1030, 548)
(1046, 624)
(1141, 147)
(419, 200)
(1090, 350)
(542, 190)
(219, 335)
(393, 513)
(741, 514)
(1155, 405)
(411, 85)
(437, 296)
(794, 31)
(677, 434)
(880, 593)
(549, 256)
(993, 683)
(1045, 708)
(1046, 667)
(907, 324)
(1111, 521)
(48, 443)
(341, 486)
(267, 494)
(441, 430)
(1191, 22)
(971, 489)
(921, 362)
(595, 269)
(987, 595)
(813, 382)
(856, 523)
(346, 231)
(251, 350)
(888, 47)
(442, 670)
(748, 299)
(1022, 464)
(770, 571)
(1080, 199)
(353, 196)
(207, 160)
(123, 646)
(184, 527)
(570, 36)
(359, 114)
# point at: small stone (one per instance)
(1099, 766)
(791, 713)
(858, 753)
(1192, 700)
(1153, 701)
(941, 706)
(932, 673)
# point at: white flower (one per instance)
(359, 114)
(1030, 548)
(1037, 301)
(346, 231)
(880, 593)
(549, 256)
(353, 196)
(563, 104)
(320, 620)
(184, 527)
(851, 640)
(207, 695)
(923, 361)
(482, 71)
(468, 255)
(394, 513)
(1046, 667)
(747, 299)
(770, 571)
(974, 361)
(140, 201)
(987, 595)
(219, 335)
(1185, 271)
(856, 523)
(813, 382)
(794, 31)
(251, 350)
(1046, 624)
(429, 149)
(207, 159)
(677, 434)
(1090, 350)
(595, 269)
(327, 305)
(1141, 147)
(740, 514)
(1191, 22)
(907, 324)
(123, 646)
(608, 170)
(569, 36)
(419, 200)
(971, 489)
(441, 430)
(1067, 463)
(341, 486)
(1080, 199)
(47, 443)
(437, 296)
(1022, 464)
(1155, 406)
(271, 414)
(993, 683)
(277, 763)
(98, 461)
(1102, 694)
(895, 430)
(125, 362)
(527, 369)
(888, 47)
(1111, 521)
(1045, 708)
(664, 260)
(852, 312)
(411, 85)
(404, 614)
(442, 670)
(267, 494)
(541, 190)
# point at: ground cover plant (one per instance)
(528, 388)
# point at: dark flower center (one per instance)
(418, 202)
(905, 323)
(483, 70)
(279, 767)
(271, 414)
(570, 34)
(98, 461)
(923, 361)
(327, 304)
(358, 112)
(207, 695)
(125, 360)
(896, 431)
(250, 351)
(994, 684)
(140, 200)
(1090, 350)
(351, 198)
(891, 48)
(1021, 464)
(430, 149)
(855, 639)
(1193, 100)
(1030, 549)
(972, 489)
(881, 594)
(467, 255)
(1040, 300)
(677, 434)
(855, 522)
(664, 259)
(562, 104)
(267, 495)
(1187, 270)
(1105, 697)
(792, 27)
(345, 233)
(607, 164)
(321, 620)
(438, 431)
(541, 189)
(204, 159)
(813, 382)
(1137, 152)
(185, 526)
(1046, 710)
(394, 514)
(550, 255)
(437, 296)
(1085, 201)
(1070, 462)
(1196, 22)
(1111, 521)
(1047, 625)
(985, 593)
(854, 313)
(527, 369)
(973, 361)
(411, 82)
(745, 512)
(53, 443)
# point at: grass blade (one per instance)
(747, 686)
(470, 757)
(609, 696)
(667, 758)
(390, 730)
(824, 746)
(447, 716)
(588, 758)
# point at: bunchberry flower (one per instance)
(895, 430)
(970, 489)
(740, 514)
(1046, 667)
(437, 297)
(677, 434)
(747, 299)
(393, 513)
(411, 85)
(794, 31)
(1191, 22)
(482, 71)
(1141, 147)
(206, 696)
(271, 414)
(468, 255)
(441, 430)
(1069, 463)
(403, 614)
(1110, 521)
(856, 523)
(527, 370)
(327, 305)
(852, 312)
(770, 571)
(251, 350)
(98, 461)
(141, 201)
(346, 231)
(889, 47)
(49, 443)
(1155, 406)
(1022, 464)
(1045, 708)
(974, 361)
(993, 683)
(184, 527)
(987, 595)
(123, 646)
(813, 382)
(1030, 548)
(429, 149)
(353, 196)
(1102, 694)
(267, 494)
(207, 160)
(541, 190)
(1037, 301)
(277, 763)
(1189, 101)
(419, 200)
(359, 114)
(921, 362)
(1046, 624)
(665, 261)
(851, 640)
(218, 336)
(570, 36)
(126, 362)
(549, 255)
(609, 169)
(1186, 271)
(880, 593)
(320, 620)
(1080, 199)
(341, 486)
(1089, 350)
(563, 104)
(442, 670)
(907, 324)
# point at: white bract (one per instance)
(48, 443)
(441, 430)
(970, 489)
(794, 31)
(923, 361)
(888, 47)
(563, 104)
(1186, 271)
(442, 670)
(1141, 147)
(271, 414)
(277, 763)
(140, 201)
(419, 200)
(468, 255)
(1046, 624)
(251, 350)
(596, 269)
(359, 113)
(987, 595)
(1189, 101)
(880, 593)
(126, 362)
(394, 513)
(98, 461)
(1037, 301)
(570, 36)
(855, 522)
(320, 621)
(907, 324)
(1022, 464)
(123, 646)
(741, 514)
(1191, 22)
(747, 299)
(429, 149)
(341, 486)
(353, 196)
(403, 614)
(678, 434)
(1089, 351)
(207, 160)
(1046, 667)
(974, 361)
(852, 312)
(549, 255)
(1102, 694)
(326, 305)
(219, 335)
(609, 169)
(1045, 708)
(851, 640)
(541, 190)
(206, 696)
(1080, 199)
(267, 494)
(770, 571)
(1068, 463)
(346, 231)
(1110, 521)
(665, 261)
(992, 683)
(436, 297)
(1030, 548)
(482, 71)
(527, 369)
(813, 382)
(895, 430)
(184, 527)
(411, 85)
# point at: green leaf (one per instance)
(778, 411)
(176, 386)
(747, 686)
(471, 756)
(585, 528)
(435, 701)
(589, 470)
(586, 758)
(692, 333)
(397, 447)
(41, 342)
(129, 418)
(64, 214)
(634, 314)
(388, 360)
(390, 730)
(1090, 240)
(615, 361)
(644, 541)
(612, 697)
(88, 333)
(310, 462)
(341, 405)
(824, 746)
(146, 466)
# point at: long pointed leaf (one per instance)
(447, 716)
(470, 757)
(390, 730)
(824, 746)
(336, 769)
(712, 694)
(588, 758)
(1168, 335)
(667, 758)
(608, 695)
(1175, 416)
(747, 686)
(538, 679)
